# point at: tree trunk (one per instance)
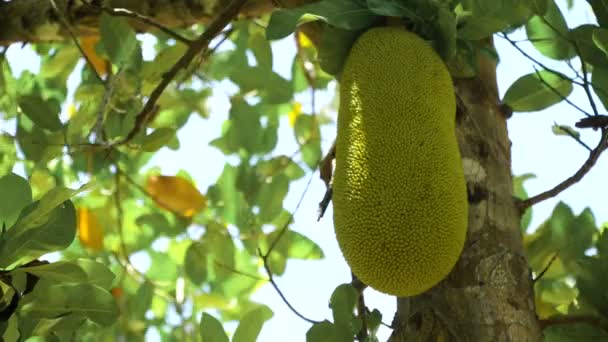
(489, 294)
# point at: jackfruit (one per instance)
(399, 193)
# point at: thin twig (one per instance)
(573, 136)
(546, 268)
(119, 215)
(123, 12)
(324, 203)
(201, 44)
(276, 287)
(289, 220)
(361, 308)
(586, 80)
(264, 257)
(563, 320)
(105, 102)
(525, 54)
(234, 270)
(577, 176)
(560, 95)
(67, 26)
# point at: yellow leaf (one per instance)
(303, 40)
(72, 111)
(176, 194)
(543, 309)
(88, 46)
(90, 231)
(296, 110)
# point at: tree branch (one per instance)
(201, 44)
(123, 12)
(34, 21)
(575, 178)
(67, 26)
(276, 288)
(273, 244)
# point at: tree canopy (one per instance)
(84, 191)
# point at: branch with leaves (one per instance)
(575, 178)
(196, 47)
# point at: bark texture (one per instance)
(489, 294)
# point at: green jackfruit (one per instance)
(400, 199)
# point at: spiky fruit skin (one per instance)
(400, 199)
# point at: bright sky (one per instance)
(309, 284)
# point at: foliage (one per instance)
(219, 245)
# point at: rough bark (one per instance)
(489, 294)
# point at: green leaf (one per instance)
(20, 244)
(153, 71)
(250, 326)
(537, 91)
(17, 194)
(157, 139)
(540, 7)
(224, 196)
(299, 246)
(600, 9)
(342, 303)
(308, 136)
(564, 234)
(221, 250)
(44, 113)
(445, 35)
(520, 192)
(162, 267)
(212, 330)
(60, 272)
(140, 303)
(575, 332)
(582, 36)
(602, 243)
(118, 40)
(549, 34)
(260, 47)
(591, 281)
(97, 273)
(397, 8)
(565, 130)
(8, 153)
(87, 300)
(334, 48)
(599, 81)
(600, 38)
(270, 197)
(322, 332)
(46, 205)
(11, 332)
(61, 63)
(195, 263)
(480, 19)
(280, 165)
(374, 320)
(346, 14)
